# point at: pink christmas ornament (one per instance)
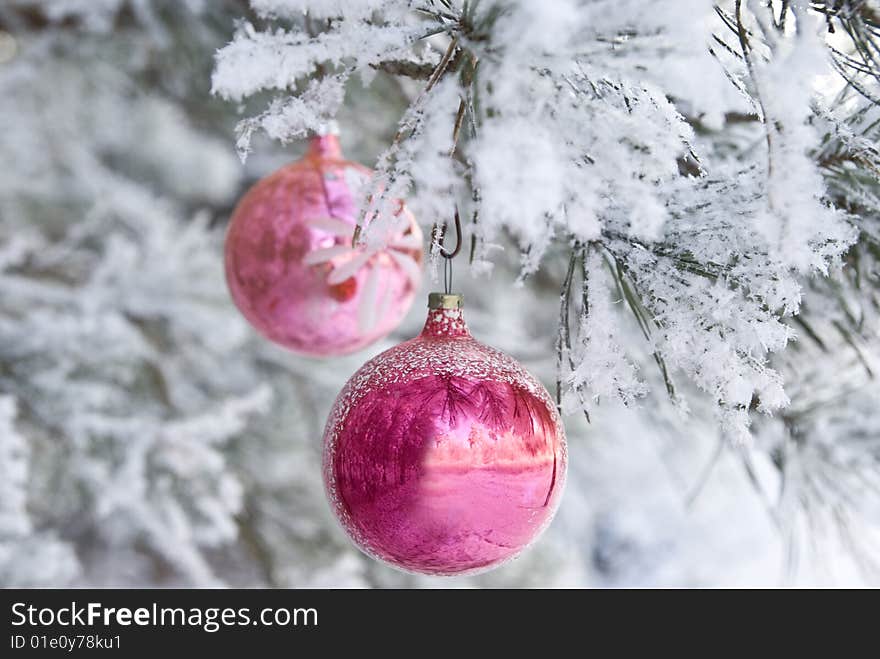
(290, 266)
(442, 455)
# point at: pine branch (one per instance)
(406, 69)
(563, 339)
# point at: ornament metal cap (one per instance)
(327, 127)
(445, 301)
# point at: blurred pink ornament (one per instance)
(291, 268)
(442, 455)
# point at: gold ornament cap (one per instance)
(327, 127)
(445, 301)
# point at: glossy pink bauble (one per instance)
(442, 455)
(292, 271)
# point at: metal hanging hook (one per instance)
(439, 234)
(443, 251)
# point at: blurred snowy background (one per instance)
(149, 437)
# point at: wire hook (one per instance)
(439, 234)
(443, 251)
